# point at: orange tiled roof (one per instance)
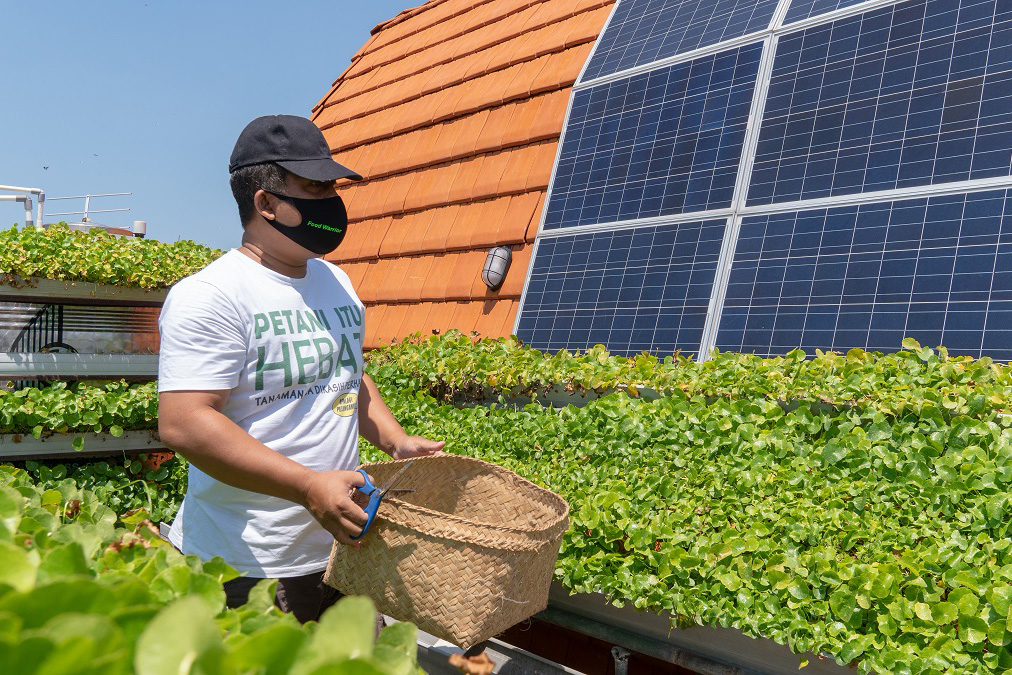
(452, 112)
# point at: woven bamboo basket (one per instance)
(469, 553)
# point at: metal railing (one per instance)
(87, 205)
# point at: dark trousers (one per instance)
(305, 597)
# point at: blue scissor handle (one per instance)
(375, 497)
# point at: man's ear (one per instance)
(262, 203)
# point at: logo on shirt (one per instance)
(345, 404)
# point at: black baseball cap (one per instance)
(293, 143)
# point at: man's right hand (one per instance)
(328, 498)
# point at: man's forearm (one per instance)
(215, 445)
(376, 423)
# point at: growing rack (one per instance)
(42, 353)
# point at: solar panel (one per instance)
(660, 143)
(938, 270)
(644, 31)
(914, 94)
(639, 289)
(804, 9)
(875, 174)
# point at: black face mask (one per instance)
(323, 226)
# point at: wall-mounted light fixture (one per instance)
(497, 264)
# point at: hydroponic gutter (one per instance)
(24, 446)
(704, 649)
(50, 291)
(19, 366)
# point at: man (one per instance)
(261, 379)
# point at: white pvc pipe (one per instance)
(33, 191)
(29, 222)
(12, 188)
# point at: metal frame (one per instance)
(24, 445)
(95, 366)
(45, 291)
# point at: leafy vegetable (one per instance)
(916, 379)
(85, 591)
(79, 407)
(97, 256)
(878, 537)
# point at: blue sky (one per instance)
(148, 97)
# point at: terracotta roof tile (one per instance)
(443, 220)
(571, 62)
(495, 315)
(355, 272)
(551, 115)
(518, 167)
(586, 26)
(366, 287)
(426, 189)
(542, 163)
(414, 278)
(459, 236)
(465, 316)
(365, 200)
(418, 224)
(392, 320)
(440, 314)
(489, 215)
(513, 226)
(532, 228)
(513, 286)
(373, 318)
(497, 124)
(400, 188)
(391, 243)
(466, 266)
(470, 130)
(479, 291)
(487, 182)
(364, 238)
(441, 276)
(541, 16)
(415, 320)
(447, 174)
(388, 279)
(468, 172)
(440, 268)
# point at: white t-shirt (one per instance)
(290, 351)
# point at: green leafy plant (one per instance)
(78, 407)
(916, 379)
(85, 591)
(97, 256)
(879, 539)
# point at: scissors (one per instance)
(376, 494)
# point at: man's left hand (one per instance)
(417, 446)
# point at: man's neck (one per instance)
(292, 269)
